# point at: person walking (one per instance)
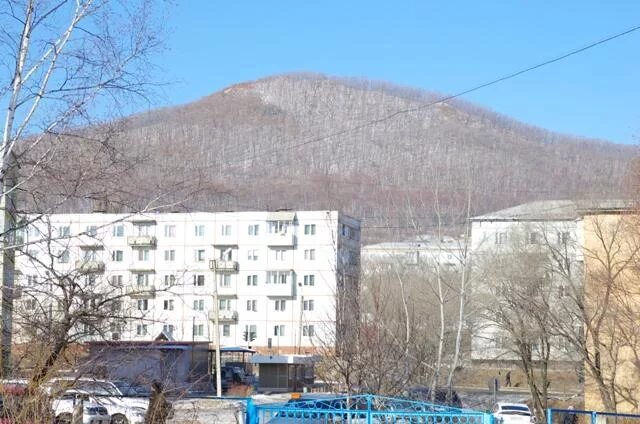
(507, 379)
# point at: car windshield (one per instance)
(510, 412)
(99, 388)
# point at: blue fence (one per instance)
(577, 416)
(361, 409)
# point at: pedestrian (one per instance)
(507, 379)
(159, 408)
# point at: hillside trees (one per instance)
(70, 69)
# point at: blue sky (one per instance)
(445, 46)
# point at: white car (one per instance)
(123, 410)
(512, 413)
(92, 412)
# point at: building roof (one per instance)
(587, 207)
(545, 210)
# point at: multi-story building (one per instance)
(426, 250)
(278, 276)
(508, 244)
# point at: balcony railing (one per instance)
(141, 240)
(220, 265)
(90, 266)
(281, 239)
(141, 291)
(224, 316)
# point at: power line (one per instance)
(449, 97)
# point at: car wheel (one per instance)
(63, 419)
(119, 419)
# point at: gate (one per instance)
(362, 409)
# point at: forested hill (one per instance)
(371, 149)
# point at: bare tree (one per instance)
(71, 68)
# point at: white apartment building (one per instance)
(277, 274)
(426, 249)
(529, 227)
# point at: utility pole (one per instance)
(216, 328)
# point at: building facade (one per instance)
(278, 275)
(510, 248)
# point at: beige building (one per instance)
(610, 240)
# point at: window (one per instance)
(278, 277)
(252, 280)
(168, 329)
(226, 330)
(501, 238)
(308, 330)
(143, 304)
(169, 280)
(345, 230)
(563, 237)
(143, 255)
(198, 305)
(170, 231)
(142, 279)
(64, 231)
(87, 254)
(278, 227)
(534, 238)
(254, 230)
(116, 306)
(92, 230)
(252, 305)
(309, 229)
(199, 255)
(170, 255)
(224, 304)
(310, 254)
(280, 254)
(225, 280)
(116, 280)
(307, 305)
(141, 330)
(310, 280)
(142, 230)
(117, 256)
(32, 280)
(252, 255)
(278, 330)
(226, 254)
(251, 331)
(198, 280)
(64, 257)
(167, 305)
(280, 304)
(198, 329)
(225, 230)
(118, 231)
(30, 304)
(90, 280)
(199, 230)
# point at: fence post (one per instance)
(369, 420)
(594, 417)
(251, 413)
(549, 416)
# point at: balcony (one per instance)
(141, 241)
(141, 292)
(220, 265)
(281, 239)
(224, 316)
(90, 266)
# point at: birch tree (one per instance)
(69, 69)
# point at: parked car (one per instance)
(92, 411)
(123, 409)
(512, 413)
(423, 394)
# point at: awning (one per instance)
(236, 349)
(281, 216)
